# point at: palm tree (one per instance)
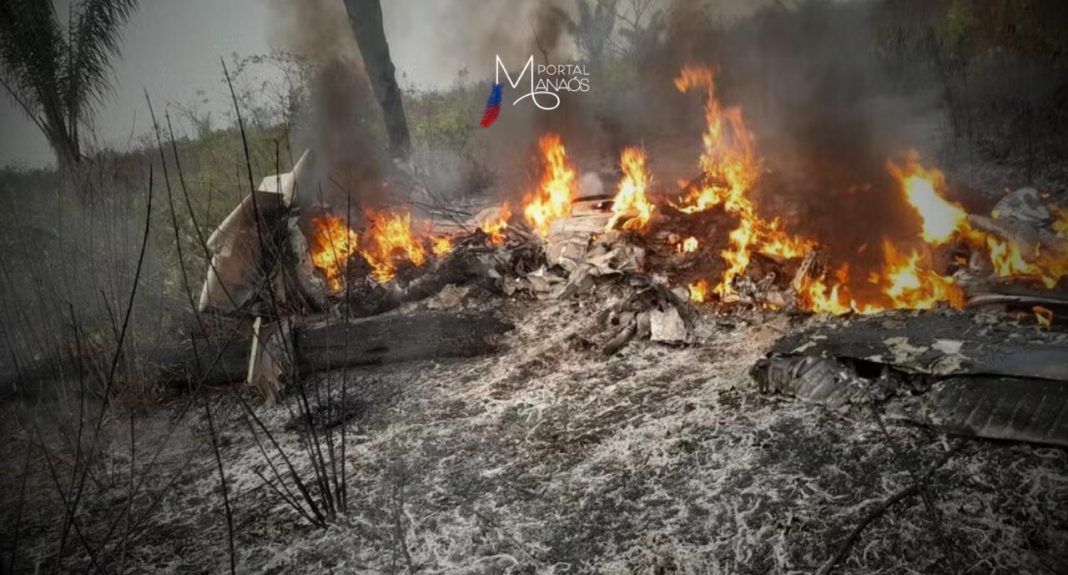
(57, 74)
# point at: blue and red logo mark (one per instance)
(551, 79)
(493, 106)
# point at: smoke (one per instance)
(807, 75)
(341, 122)
(829, 119)
(826, 114)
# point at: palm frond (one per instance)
(95, 38)
(32, 49)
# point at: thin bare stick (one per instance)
(73, 508)
(174, 218)
(914, 489)
(18, 509)
(222, 480)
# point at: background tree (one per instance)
(365, 16)
(57, 74)
(592, 30)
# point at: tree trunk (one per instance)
(66, 155)
(65, 147)
(365, 16)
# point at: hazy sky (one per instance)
(172, 48)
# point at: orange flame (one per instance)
(388, 242)
(1043, 316)
(688, 245)
(391, 242)
(698, 291)
(494, 226)
(332, 244)
(731, 167)
(1060, 225)
(630, 201)
(910, 283)
(441, 246)
(818, 298)
(924, 189)
(728, 161)
(552, 200)
(905, 282)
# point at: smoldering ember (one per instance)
(786, 291)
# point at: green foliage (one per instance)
(958, 26)
(972, 30)
(445, 118)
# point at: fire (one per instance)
(698, 291)
(904, 282)
(1043, 316)
(494, 226)
(729, 163)
(911, 284)
(333, 243)
(1008, 261)
(441, 246)
(1060, 225)
(817, 297)
(688, 245)
(390, 242)
(552, 200)
(730, 168)
(924, 189)
(779, 243)
(630, 201)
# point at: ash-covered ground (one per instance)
(549, 457)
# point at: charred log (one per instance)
(316, 347)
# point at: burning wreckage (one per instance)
(915, 322)
(522, 423)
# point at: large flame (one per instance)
(388, 242)
(924, 189)
(904, 281)
(391, 242)
(911, 284)
(728, 162)
(556, 191)
(906, 277)
(943, 220)
(332, 244)
(730, 168)
(817, 296)
(630, 201)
